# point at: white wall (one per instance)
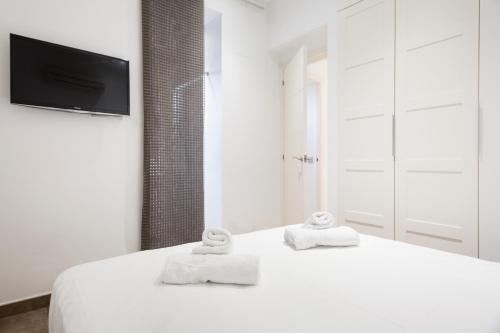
(212, 134)
(251, 120)
(489, 151)
(288, 21)
(70, 185)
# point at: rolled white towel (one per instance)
(215, 241)
(302, 238)
(320, 220)
(186, 268)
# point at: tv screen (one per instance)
(57, 77)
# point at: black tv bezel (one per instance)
(68, 108)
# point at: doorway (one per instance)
(305, 105)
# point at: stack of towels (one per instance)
(320, 229)
(212, 261)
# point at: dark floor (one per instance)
(29, 322)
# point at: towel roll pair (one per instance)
(211, 262)
(320, 229)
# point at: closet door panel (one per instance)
(436, 114)
(366, 109)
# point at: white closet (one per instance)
(366, 109)
(433, 180)
(436, 112)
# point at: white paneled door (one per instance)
(295, 136)
(437, 119)
(366, 111)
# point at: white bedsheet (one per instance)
(380, 286)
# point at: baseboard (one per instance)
(25, 305)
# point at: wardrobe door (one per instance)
(366, 109)
(436, 123)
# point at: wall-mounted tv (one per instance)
(57, 77)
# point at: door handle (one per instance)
(304, 159)
(308, 159)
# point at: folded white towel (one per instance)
(215, 241)
(185, 268)
(303, 238)
(320, 220)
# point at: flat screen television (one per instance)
(62, 78)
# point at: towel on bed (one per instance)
(186, 268)
(215, 241)
(303, 238)
(320, 220)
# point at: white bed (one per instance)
(380, 286)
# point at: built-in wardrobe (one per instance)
(408, 120)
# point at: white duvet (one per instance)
(379, 286)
